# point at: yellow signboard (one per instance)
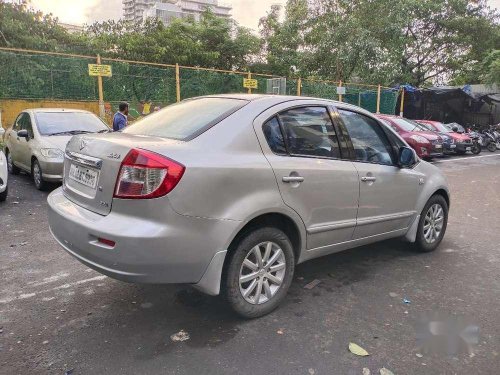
(100, 70)
(250, 83)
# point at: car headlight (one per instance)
(419, 139)
(52, 153)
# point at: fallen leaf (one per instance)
(312, 284)
(393, 295)
(180, 336)
(384, 371)
(279, 332)
(419, 355)
(366, 371)
(358, 350)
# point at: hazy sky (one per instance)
(246, 12)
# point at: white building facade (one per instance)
(167, 10)
(133, 10)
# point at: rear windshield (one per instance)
(186, 120)
(61, 123)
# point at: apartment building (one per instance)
(167, 10)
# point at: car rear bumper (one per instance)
(164, 248)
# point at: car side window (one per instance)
(274, 137)
(368, 138)
(27, 125)
(18, 123)
(309, 131)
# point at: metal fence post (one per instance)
(299, 86)
(401, 108)
(340, 95)
(249, 77)
(102, 113)
(359, 99)
(177, 83)
(378, 99)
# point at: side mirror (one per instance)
(23, 133)
(406, 157)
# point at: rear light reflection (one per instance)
(145, 174)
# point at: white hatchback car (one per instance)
(4, 175)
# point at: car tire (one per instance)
(3, 194)
(492, 147)
(36, 173)
(272, 244)
(432, 224)
(10, 164)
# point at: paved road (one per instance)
(56, 315)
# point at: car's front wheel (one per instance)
(259, 272)
(3, 194)
(10, 164)
(36, 173)
(432, 224)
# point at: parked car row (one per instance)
(36, 142)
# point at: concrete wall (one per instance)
(10, 108)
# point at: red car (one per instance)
(427, 144)
(461, 142)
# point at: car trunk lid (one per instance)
(92, 164)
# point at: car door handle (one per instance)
(368, 179)
(293, 179)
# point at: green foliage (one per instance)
(491, 68)
(412, 41)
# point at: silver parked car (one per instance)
(36, 141)
(230, 192)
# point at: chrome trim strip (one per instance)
(331, 226)
(382, 218)
(89, 161)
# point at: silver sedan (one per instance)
(228, 193)
(36, 141)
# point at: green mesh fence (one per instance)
(362, 96)
(196, 82)
(148, 87)
(136, 83)
(26, 76)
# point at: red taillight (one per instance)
(145, 174)
(106, 242)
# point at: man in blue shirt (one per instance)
(120, 117)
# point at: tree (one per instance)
(491, 68)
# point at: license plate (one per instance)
(84, 175)
(438, 146)
(467, 149)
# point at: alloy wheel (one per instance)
(433, 223)
(9, 162)
(37, 174)
(262, 273)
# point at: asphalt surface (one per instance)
(56, 315)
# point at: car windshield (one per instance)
(440, 127)
(63, 123)
(409, 125)
(186, 120)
